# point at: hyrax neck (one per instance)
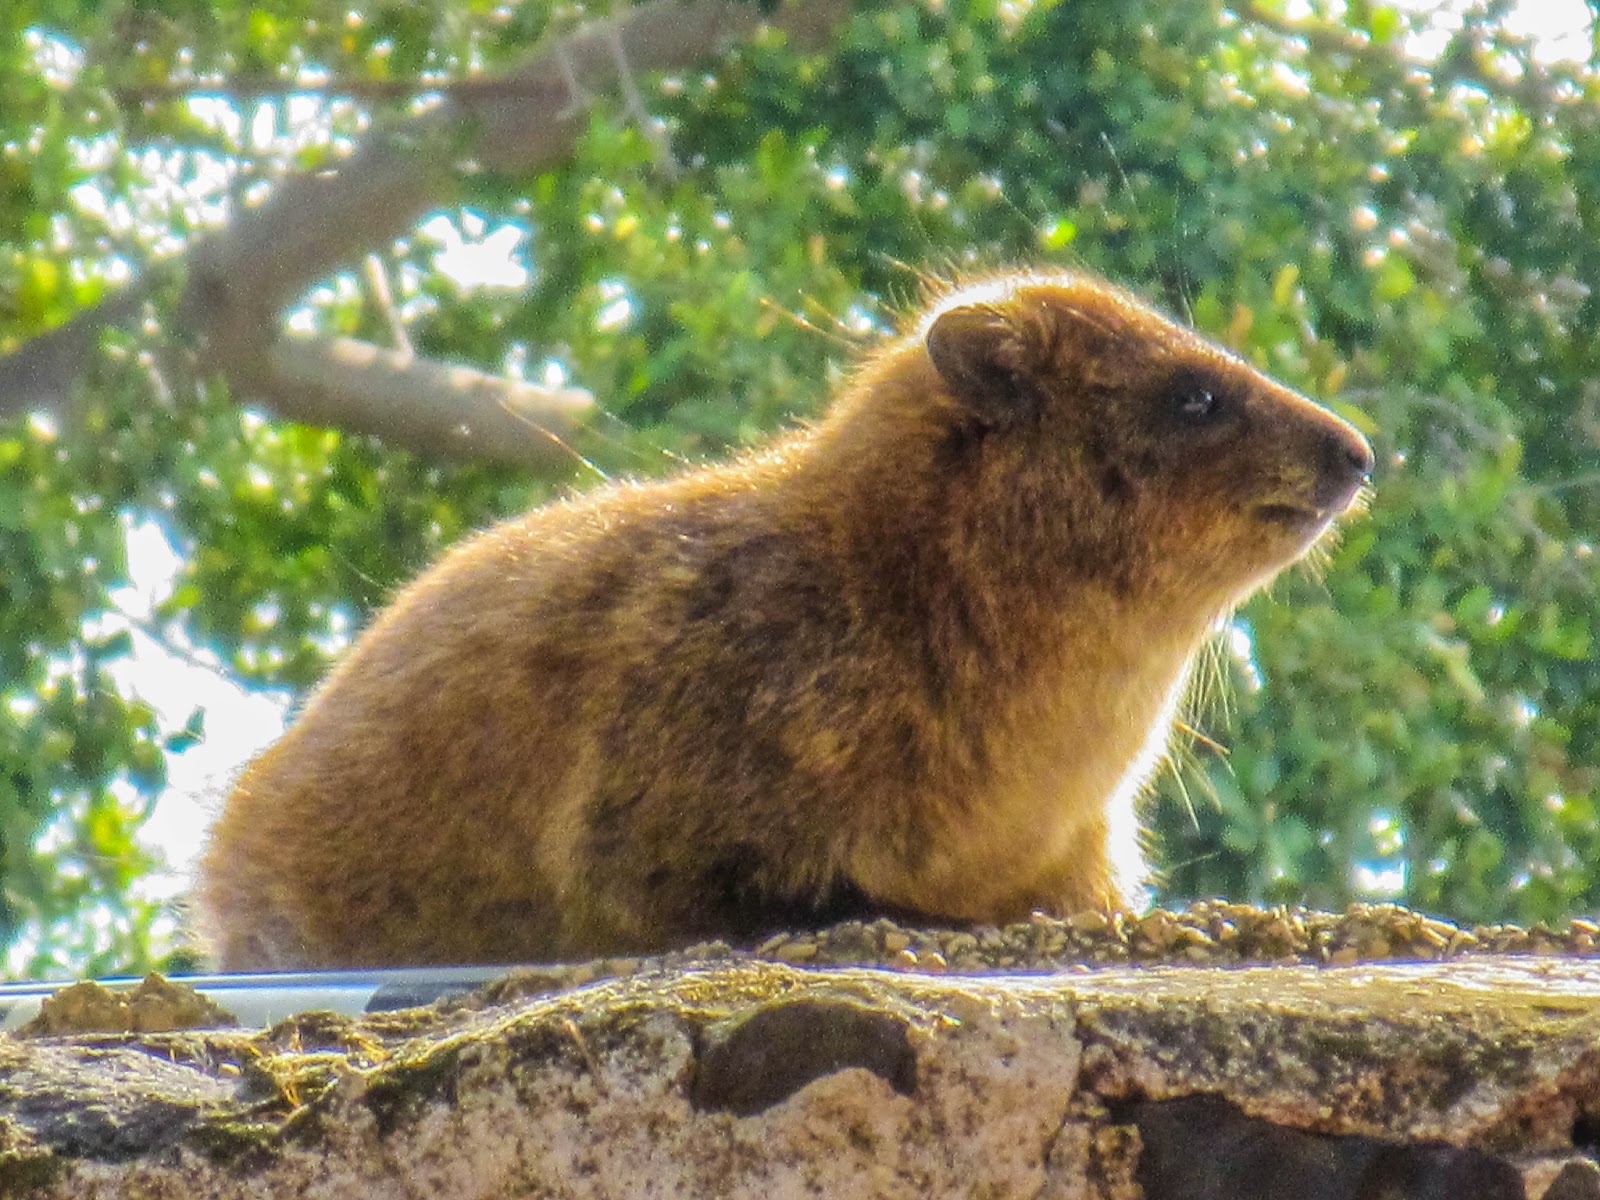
(1048, 693)
(1031, 800)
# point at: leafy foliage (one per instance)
(1414, 242)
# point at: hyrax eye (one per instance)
(1195, 402)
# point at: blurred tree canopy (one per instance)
(1411, 235)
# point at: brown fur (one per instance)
(920, 658)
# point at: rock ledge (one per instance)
(735, 1077)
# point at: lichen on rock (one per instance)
(156, 1005)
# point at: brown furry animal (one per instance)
(920, 658)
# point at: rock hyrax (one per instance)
(919, 658)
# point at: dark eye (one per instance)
(1195, 402)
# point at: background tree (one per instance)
(211, 222)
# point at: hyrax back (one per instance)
(921, 657)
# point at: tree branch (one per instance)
(240, 280)
(430, 406)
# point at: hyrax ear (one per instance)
(982, 358)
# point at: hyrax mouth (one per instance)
(1294, 516)
(1342, 462)
(1332, 501)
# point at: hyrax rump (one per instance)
(921, 657)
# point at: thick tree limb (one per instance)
(240, 280)
(452, 411)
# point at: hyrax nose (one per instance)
(1349, 452)
(1345, 460)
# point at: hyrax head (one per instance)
(1173, 468)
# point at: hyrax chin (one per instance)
(919, 658)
